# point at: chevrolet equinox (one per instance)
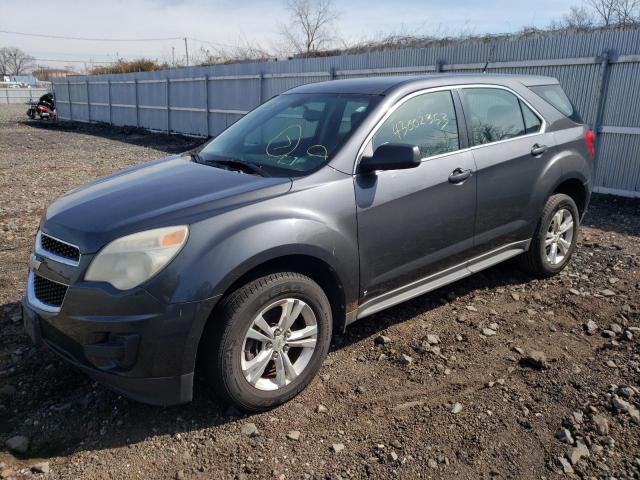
(324, 205)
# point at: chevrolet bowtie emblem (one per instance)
(34, 263)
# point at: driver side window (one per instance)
(428, 121)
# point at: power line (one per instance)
(212, 43)
(69, 61)
(89, 39)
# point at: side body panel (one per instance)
(509, 183)
(413, 222)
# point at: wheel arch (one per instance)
(313, 266)
(574, 188)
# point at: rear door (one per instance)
(415, 222)
(511, 152)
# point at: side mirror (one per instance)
(391, 156)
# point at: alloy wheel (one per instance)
(559, 236)
(279, 344)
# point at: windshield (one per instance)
(293, 134)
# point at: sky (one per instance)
(230, 22)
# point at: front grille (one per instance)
(59, 248)
(48, 292)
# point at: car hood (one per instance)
(169, 191)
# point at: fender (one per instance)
(570, 164)
(575, 164)
(318, 221)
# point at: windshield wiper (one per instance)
(231, 164)
(241, 165)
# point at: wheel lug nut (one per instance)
(269, 345)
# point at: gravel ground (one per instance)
(497, 376)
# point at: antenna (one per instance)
(493, 47)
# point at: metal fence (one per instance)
(599, 70)
(20, 95)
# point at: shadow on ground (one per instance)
(169, 143)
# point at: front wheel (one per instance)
(267, 341)
(555, 238)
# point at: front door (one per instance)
(415, 222)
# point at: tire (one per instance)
(225, 347)
(536, 260)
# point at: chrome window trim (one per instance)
(543, 126)
(52, 256)
(33, 300)
(450, 88)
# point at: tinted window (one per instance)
(532, 123)
(292, 134)
(554, 95)
(495, 114)
(428, 121)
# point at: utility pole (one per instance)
(186, 50)
(173, 57)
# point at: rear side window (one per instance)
(554, 95)
(428, 121)
(495, 114)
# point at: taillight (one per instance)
(590, 138)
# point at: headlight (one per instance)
(131, 260)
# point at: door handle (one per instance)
(538, 149)
(459, 175)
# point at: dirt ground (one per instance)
(498, 376)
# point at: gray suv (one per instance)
(324, 205)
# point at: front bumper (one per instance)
(131, 343)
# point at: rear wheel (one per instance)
(267, 341)
(555, 238)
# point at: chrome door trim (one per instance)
(394, 107)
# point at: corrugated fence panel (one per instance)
(20, 95)
(623, 96)
(204, 101)
(152, 104)
(619, 167)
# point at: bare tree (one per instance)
(14, 61)
(578, 18)
(311, 25)
(627, 12)
(606, 10)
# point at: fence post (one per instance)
(260, 87)
(6, 94)
(332, 73)
(168, 106)
(86, 84)
(601, 101)
(30, 95)
(135, 87)
(69, 99)
(109, 99)
(206, 102)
